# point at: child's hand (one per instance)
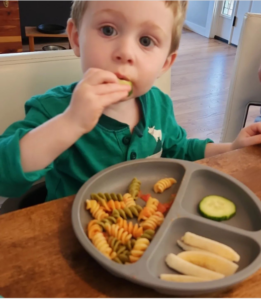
(97, 90)
(248, 136)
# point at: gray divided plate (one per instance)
(194, 182)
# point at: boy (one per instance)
(72, 132)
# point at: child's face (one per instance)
(129, 38)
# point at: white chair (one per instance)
(23, 75)
(245, 88)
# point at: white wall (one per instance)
(199, 17)
(198, 12)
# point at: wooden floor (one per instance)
(199, 84)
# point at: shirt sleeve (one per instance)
(175, 144)
(14, 182)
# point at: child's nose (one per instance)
(124, 53)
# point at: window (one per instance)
(227, 8)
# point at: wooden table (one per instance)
(41, 257)
(32, 32)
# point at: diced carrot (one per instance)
(162, 208)
(145, 197)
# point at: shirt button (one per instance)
(126, 140)
(133, 155)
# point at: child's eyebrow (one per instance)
(110, 11)
(153, 26)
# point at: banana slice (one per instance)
(186, 268)
(186, 247)
(210, 245)
(182, 278)
(210, 261)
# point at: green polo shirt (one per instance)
(109, 143)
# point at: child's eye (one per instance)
(146, 41)
(108, 30)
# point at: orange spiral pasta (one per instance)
(111, 205)
(99, 241)
(153, 221)
(119, 233)
(139, 248)
(163, 184)
(96, 210)
(135, 230)
(128, 200)
(149, 209)
(93, 228)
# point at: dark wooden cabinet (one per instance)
(10, 30)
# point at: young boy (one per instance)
(72, 132)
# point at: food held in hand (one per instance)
(217, 208)
(126, 82)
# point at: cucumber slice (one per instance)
(217, 208)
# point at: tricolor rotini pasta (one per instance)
(119, 233)
(163, 184)
(149, 209)
(119, 239)
(99, 241)
(153, 221)
(96, 210)
(128, 200)
(135, 230)
(134, 187)
(139, 248)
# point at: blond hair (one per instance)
(179, 9)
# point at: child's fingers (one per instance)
(253, 140)
(97, 76)
(109, 99)
(109, 88)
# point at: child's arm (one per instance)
(248, 136)
(42, 145)
(215, 149)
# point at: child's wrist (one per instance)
(72, 124)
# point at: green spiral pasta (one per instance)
(122, 258)
(109, 220)
(106, 196)
(127, 212)
(134, 188)
(130, 244)
(148, 234)
(116, 245)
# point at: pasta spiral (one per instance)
(115, 205)
(127, 212)
(135, 230)
(117, 232)
(107, 196)
(163, 184)
(134, 188)
(128, 200)
(92, 228)
(148, 234)
(109, 220)
(139, 248)
(149, 209)
(153, 221)
(96, 210)
(99, 241)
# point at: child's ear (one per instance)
(168, 63)
(73, 36)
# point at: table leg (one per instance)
(31, 43)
